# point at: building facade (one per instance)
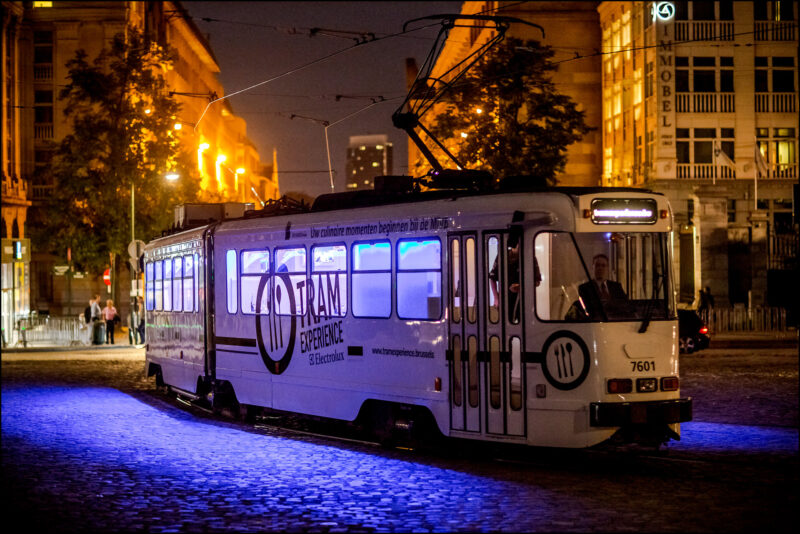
(700, 103)
(38, 40)
(368, 156)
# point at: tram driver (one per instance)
(600, 294)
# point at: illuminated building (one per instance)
(38, 40)
(700, 103)
(368, 156)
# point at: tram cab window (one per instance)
(150, 297)
(419, 279)
(290, 281)
(327, 290)
(372, 279)
(603, 276)
(254, 263)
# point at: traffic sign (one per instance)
(107, 277)
(136, 248)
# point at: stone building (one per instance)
(38, 39)
(700, 103)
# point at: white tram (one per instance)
(381, 306)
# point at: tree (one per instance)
(524, 125)
(121, 120)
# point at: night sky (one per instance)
(257, 41)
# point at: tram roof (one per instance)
(368, 197)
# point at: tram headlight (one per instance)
(646, 385)
(620, 385)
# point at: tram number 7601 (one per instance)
(643, 365)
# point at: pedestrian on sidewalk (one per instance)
(705, 304)
(96, 335)
(109, 314)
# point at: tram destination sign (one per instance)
(624, 211)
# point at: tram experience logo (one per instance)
(565, 361)
(279, 330)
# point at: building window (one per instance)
(783, 74)
(704, 78)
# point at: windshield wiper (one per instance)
(648, 311)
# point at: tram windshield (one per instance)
(611, 276)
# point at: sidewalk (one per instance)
(732, 340)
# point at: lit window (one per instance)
(375, 164)
(328, 289)
(188, 284)
(372, 279)
(230, 278)
(167, 285)
(290, 300)
(177, 283)
(419, 279)
(159, 285)
(149, 287)
(254, 264)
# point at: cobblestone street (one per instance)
(88, 444)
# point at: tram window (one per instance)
(516, 375)
(167, 285)
(254, 263)
(198, 283)
(230, 279)
(290, 288)
(491, 258)
(471, 292)
(177, 283)
(159, 285)
(188, 284)
(372, 279)
(472, 371)
(604, 276)
(149, 284)
(494, 371)
(457, 371)
(328, 287)
(455, 279)
(419, 279)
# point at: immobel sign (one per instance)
(666, 77)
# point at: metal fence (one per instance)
(741, 319)
(50, 330)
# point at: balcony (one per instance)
(705, 102)
(782, 171)
(776, 102)
(775, 31)
(705, 171)
(43, 131)
(43, 72)
(704, 30)
(42, 192)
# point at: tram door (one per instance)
(464, 332)
(503, 310)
